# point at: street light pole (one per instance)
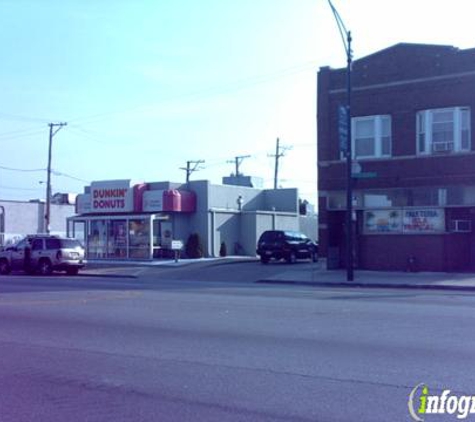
(346, 37)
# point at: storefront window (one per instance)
(426, 196)
(337, 200)
(97, 239)
(117, 241)
(139, 238)
(79, 231)
(405, 221)
(156, 233)
(76, 229)
(383, 221)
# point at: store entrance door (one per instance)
(162, 238)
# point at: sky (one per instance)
(147, 85)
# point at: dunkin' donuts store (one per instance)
(119, 220)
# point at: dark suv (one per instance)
(43, 254)
(288, 245)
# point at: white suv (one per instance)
(43, 254)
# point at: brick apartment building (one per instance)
(414, 197)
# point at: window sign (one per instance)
(153, 201)
(429, 220)
(383, 221)
(405, 221)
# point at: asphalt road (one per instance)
(205, 343)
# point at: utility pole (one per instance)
(52, 132)
(237, 162)
(279, 152)
(189, 170)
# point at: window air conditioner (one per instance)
(442, 146)
(461, 226)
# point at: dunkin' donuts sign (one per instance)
(111, 196)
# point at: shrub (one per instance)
(222, 250)
(194, 247)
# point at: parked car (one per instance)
(43, 254)
(288, 245)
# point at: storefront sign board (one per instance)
(111, 196)
(83, 203)
(153, 201)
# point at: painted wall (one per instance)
(287, 222)
(281, 200)
(309, 226)
(227, 230)
(22, 218)
(226, 197)
(377, 253)
(250, 230)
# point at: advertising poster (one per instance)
(428, 220)
(383, 221)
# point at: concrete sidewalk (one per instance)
(302, 273)
(318, 275)
(133, 268)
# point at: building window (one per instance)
(371, 136)
(443, 130)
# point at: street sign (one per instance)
(343, 127)
(364, 175)
(177, 245)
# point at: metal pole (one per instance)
(48, 182)
(276, 168)
(349, 193)
(2, 225)
(188, 172)
(349, 179)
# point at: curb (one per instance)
(368, 285)
(106, 275)
(230, 261)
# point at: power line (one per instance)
(23, 118)
(17, 188)
(206, 92)
(21, 170)
(7, 136)
(189, 170)
(238, 161)
(58, 173)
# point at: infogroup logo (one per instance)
(422, 403)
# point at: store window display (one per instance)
(139, 238)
